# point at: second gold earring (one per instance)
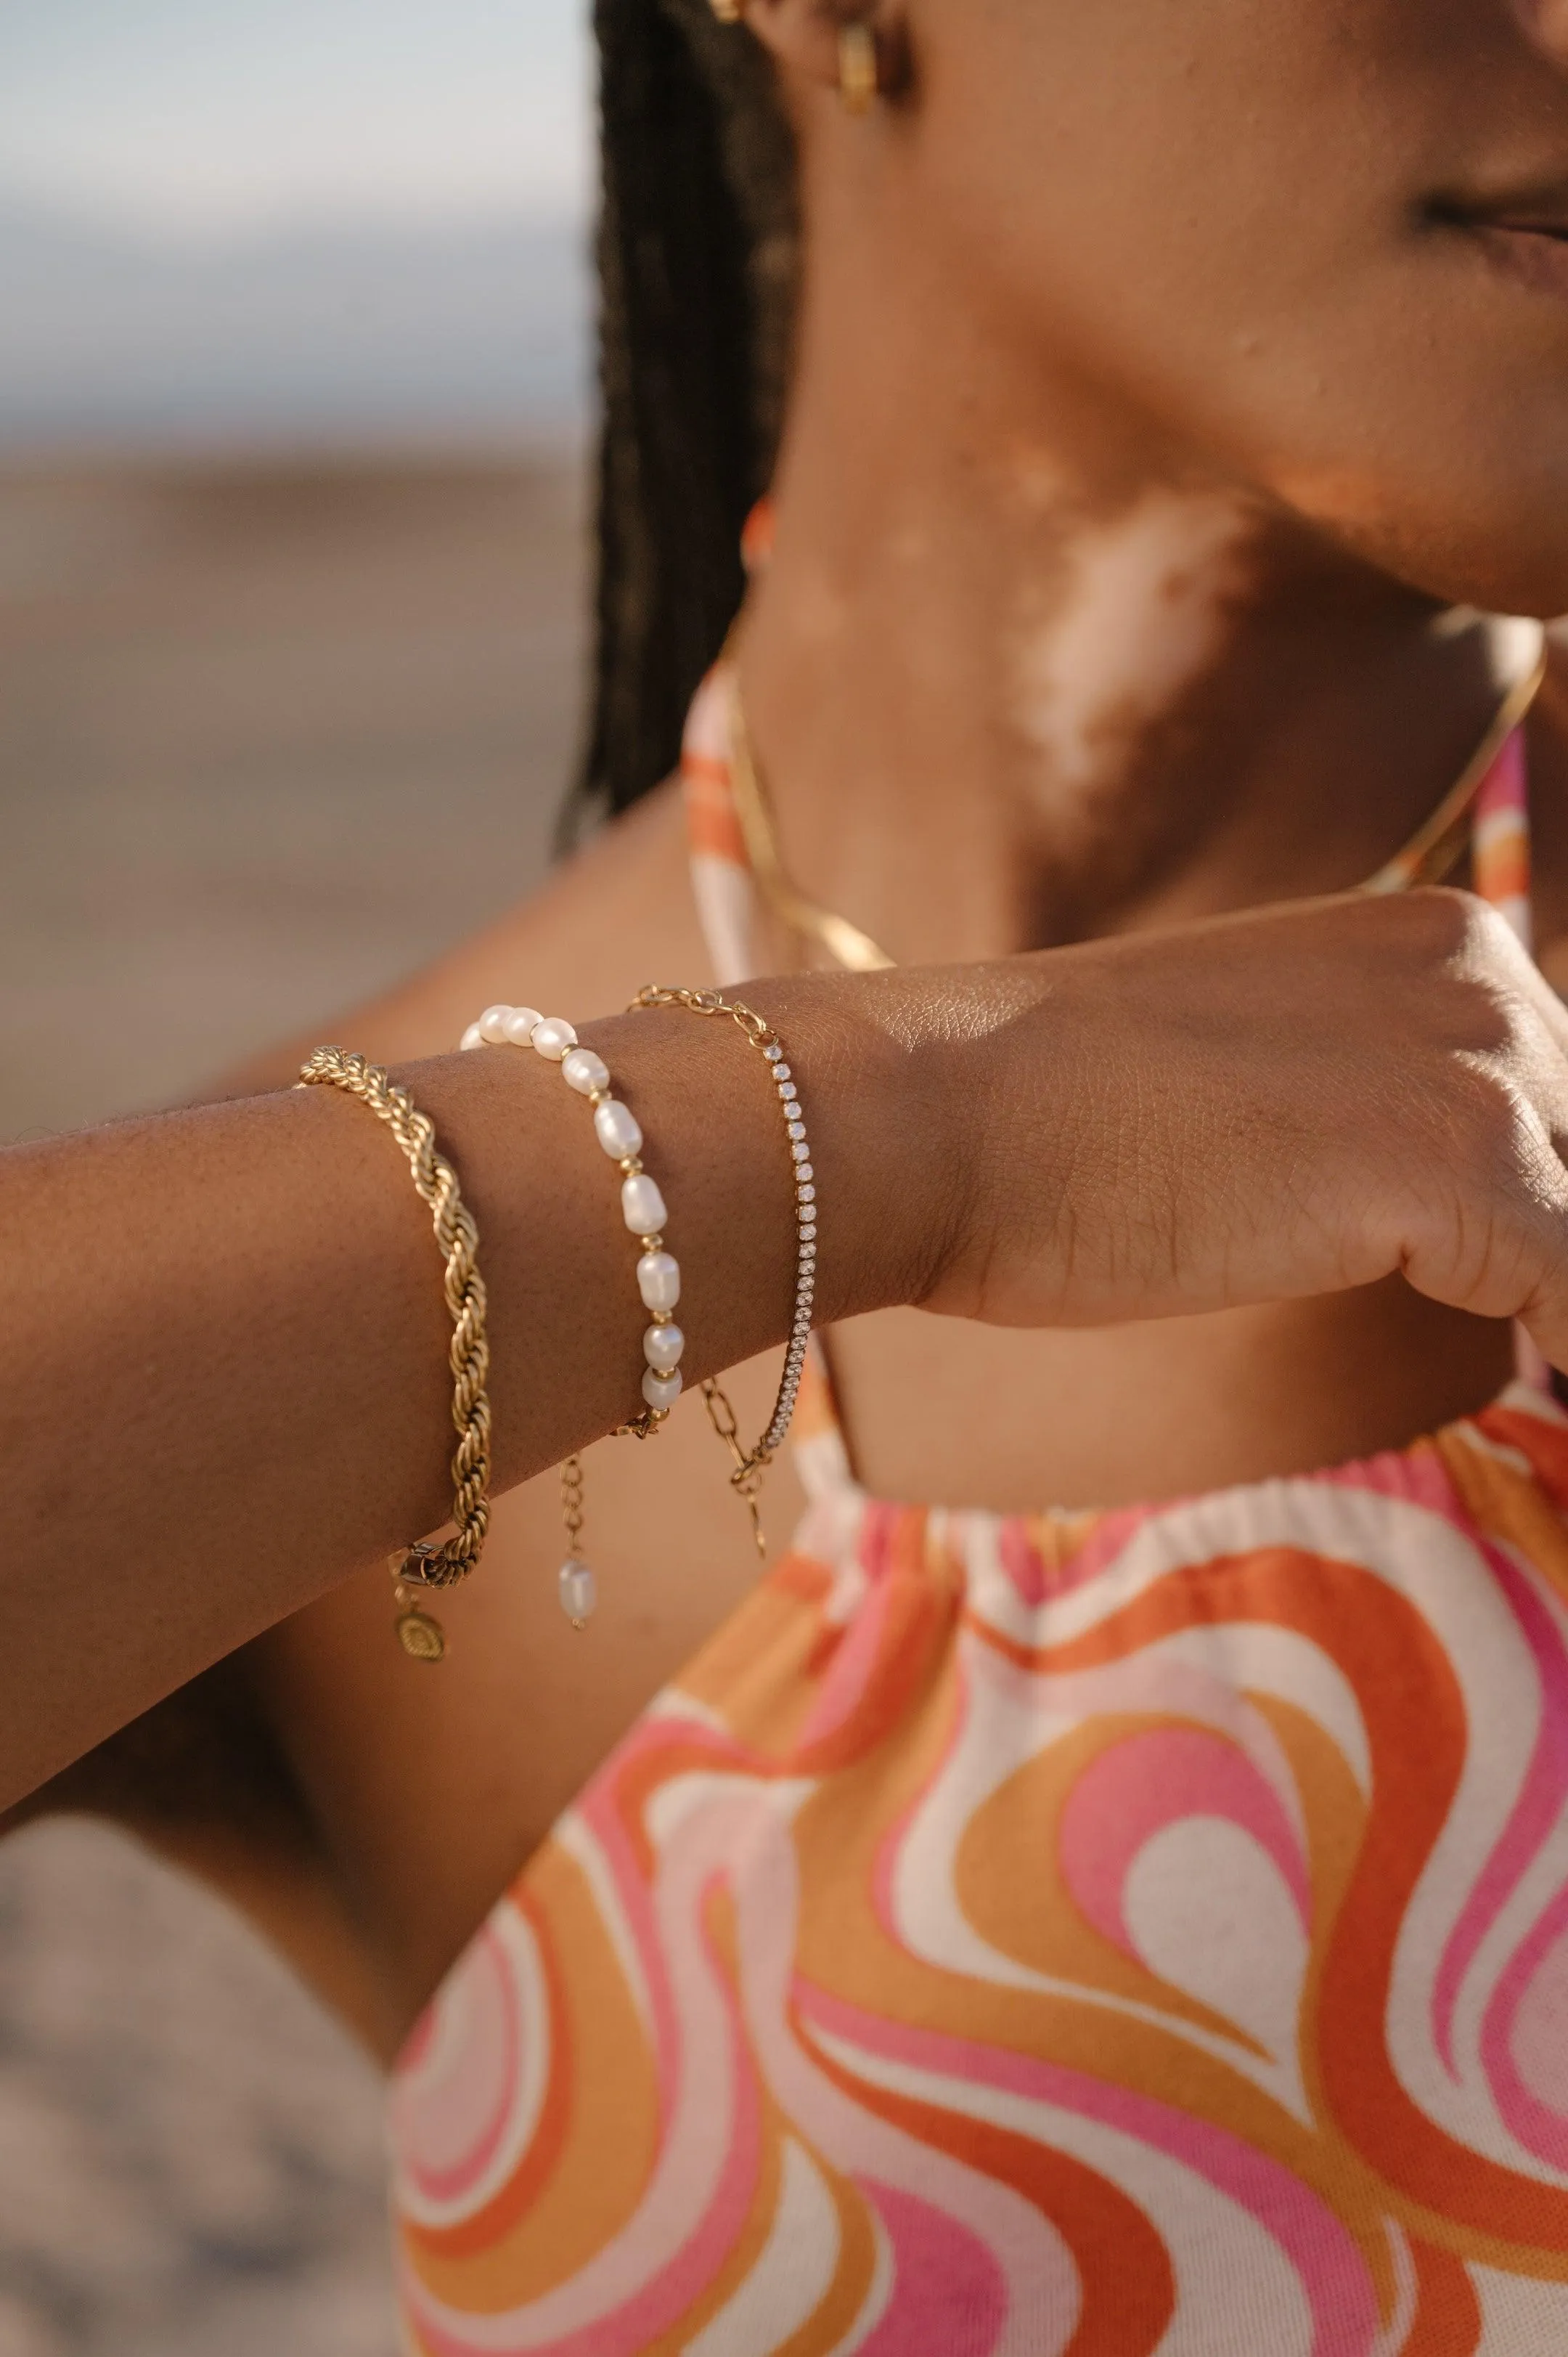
(859, 74)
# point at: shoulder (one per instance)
(618, 914)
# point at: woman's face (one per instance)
(1323, 244)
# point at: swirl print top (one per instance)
(1071, 1935)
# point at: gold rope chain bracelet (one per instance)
(426, 1566)
(750, 1464)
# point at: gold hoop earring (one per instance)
(860, 75)
(728, 12)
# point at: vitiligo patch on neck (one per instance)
(1146, 612)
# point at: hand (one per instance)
(1266, 1107)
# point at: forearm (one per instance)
(226, 1382)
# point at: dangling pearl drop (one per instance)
(579, 1591)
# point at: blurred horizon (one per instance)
(431, 332)
(325, 223)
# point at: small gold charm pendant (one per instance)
(419, 1633)
(421, 1637)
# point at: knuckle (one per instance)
(1444, 925)
(1461, 930)
(1465, 992)
(1443, 918)
(1435, 927)
(1487, 1104)
(1497, 1135)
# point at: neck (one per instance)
(1021, 671)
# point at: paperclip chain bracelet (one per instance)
(425, 1565)
(657, 1272)
(751, 1464)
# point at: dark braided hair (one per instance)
(697, 264)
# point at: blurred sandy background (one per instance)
(292, 585)
(246, 713)
(257, 718)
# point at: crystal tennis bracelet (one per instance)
(751, 1464)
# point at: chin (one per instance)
(1498, 576)
(1505, 552)
(1508, 572)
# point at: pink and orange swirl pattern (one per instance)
(1048, 1937)
(1142, 1934)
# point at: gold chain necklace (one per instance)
(1430, 856)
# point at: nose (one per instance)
(1546, 22)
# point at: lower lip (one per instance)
(1529, 256)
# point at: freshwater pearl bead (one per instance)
(579, 1591)
(642, 1206)
(553, 1038)
(585, 1073)
(662, 1347)
(659, 1280)
(619, 1132)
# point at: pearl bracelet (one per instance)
(643, 1209)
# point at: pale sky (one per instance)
(202, 117)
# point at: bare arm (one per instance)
(224, 1383)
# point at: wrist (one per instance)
(873, 1056)
(875, 1096)
(880, 1059)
